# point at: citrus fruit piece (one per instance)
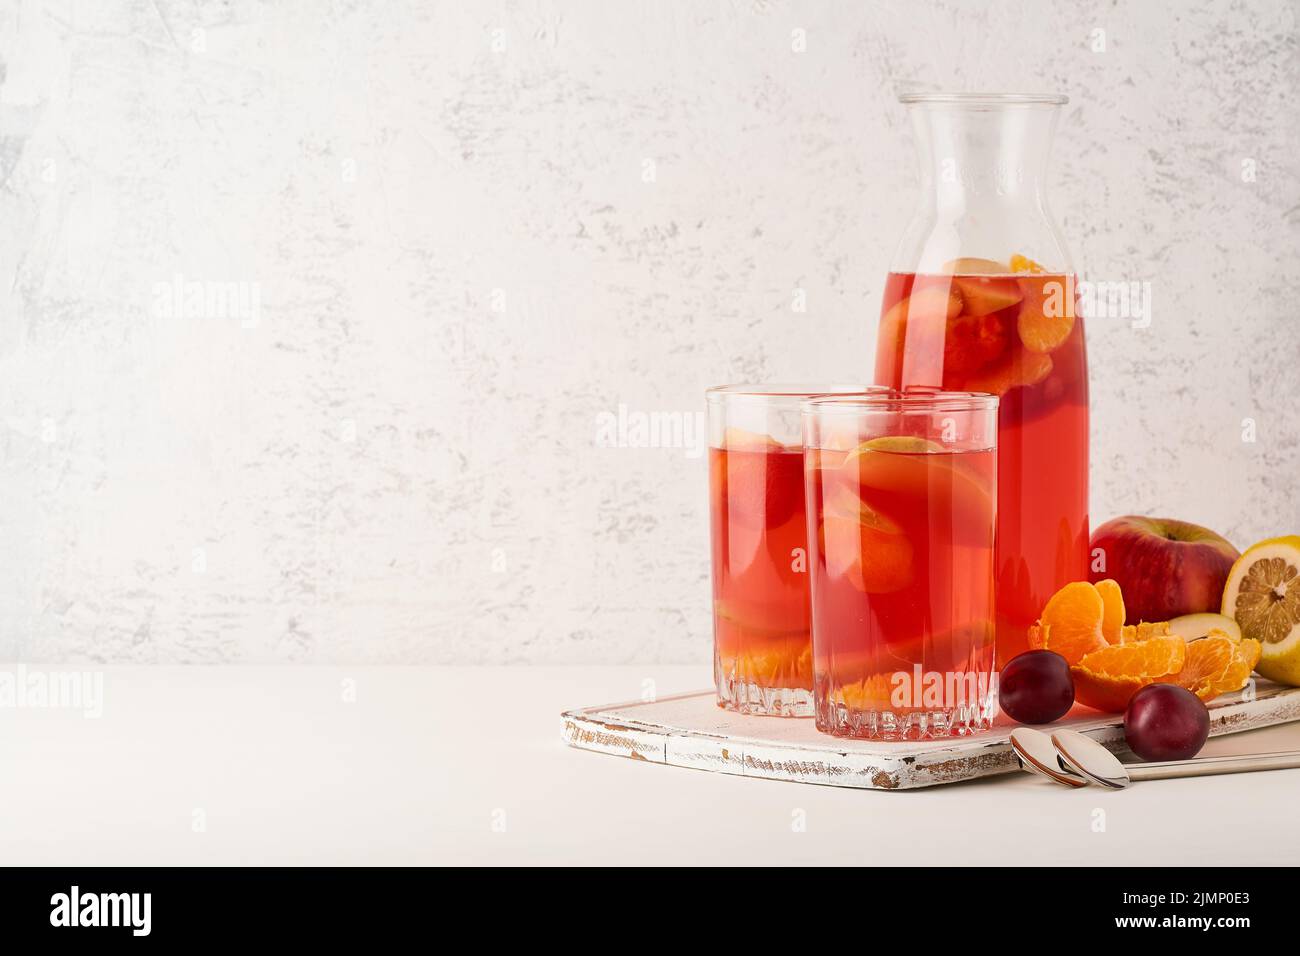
(1112, 619)
(905, 444)
(970, 265)
(1263, 596)
(1021, 263)
(1216, 664)
(1046, 316)
(864, 546)
(738, 439)
(773, 667)
(1192, 627)
(983, 294)
(1142, 631)
(870, 693)
(922, 478)
(1071, 622)
(1017, 369)
(1106, 679)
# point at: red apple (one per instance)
(1165, 568)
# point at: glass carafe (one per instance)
(981, 297)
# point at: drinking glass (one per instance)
(762, 656)
(901, 508)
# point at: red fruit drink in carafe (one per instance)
(982, 297)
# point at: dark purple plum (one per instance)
(1035, 687)
(1166, 722)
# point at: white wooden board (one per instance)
(690, 730)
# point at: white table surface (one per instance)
(437, 765)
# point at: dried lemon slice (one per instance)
(1263, 596)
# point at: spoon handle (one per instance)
(1205, 766)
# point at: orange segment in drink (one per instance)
(1107, 678)
(864, 547)
(1021, 263)
(1046, 316)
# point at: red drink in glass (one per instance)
(901, 493)
(762, 652)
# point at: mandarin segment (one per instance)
(1112, 599)
(1021, 263)
(1046, 316)
(1216, 664)
(865, 547)
(1205, 667)
(1107, 679)
(1143, 631)
(1071, 621)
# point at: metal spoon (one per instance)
(1085, 756)
(1035, 754)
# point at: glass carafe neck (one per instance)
(983, 163)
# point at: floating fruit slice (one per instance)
(912, 330)
(1143, 631)
(935, 300)
(1021, 263)
(758, 480)
(981, 294)
(1263, 596)
(870, 693)
(1216, 665)
(1017, 369)
(779, 666)
(1112, 619)
(1192, 627)
(1046, 316)
(864, 546)
(972, 266)
(1105, 679)
(1071, 622)
(923, 477)
(907, 444)
(738, 439)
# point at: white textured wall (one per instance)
(444, 211)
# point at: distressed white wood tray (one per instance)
(690, 730)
